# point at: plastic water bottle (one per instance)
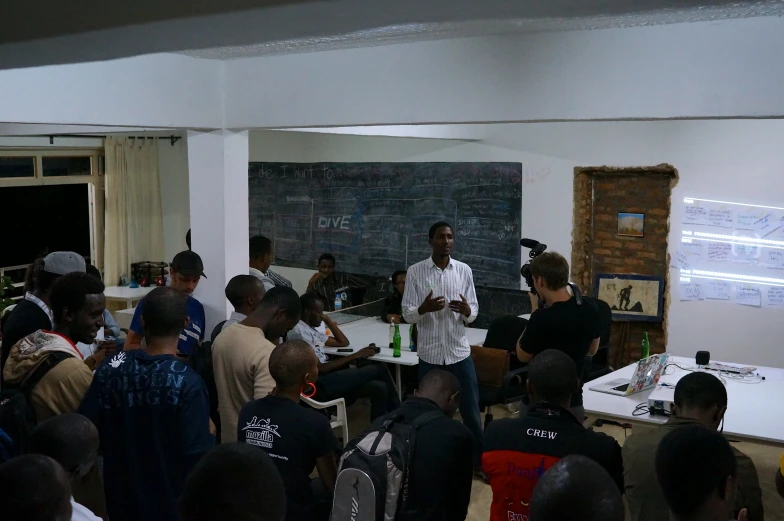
(396, 342)
(338, 302)
(645, 347)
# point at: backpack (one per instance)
(17, 416)
(201, 362)
(374, 471)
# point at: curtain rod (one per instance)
(173, 139)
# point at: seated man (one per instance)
(34, 312)
(393, 304)
(34, 486)
(577, 488)
(261, 258)
(152, 414)
(519, 450)
(64, 377)
(562, 324)
(337, 380)
(700, 398)
(327, 282)
(234, 482)
(244, 292)
(185, 271)
(299, 439)
(240, 355)
(696, 471)
(443, 460)
(72, 441)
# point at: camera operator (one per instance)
(565, 323)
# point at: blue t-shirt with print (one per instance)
(152, 414)
(190, 336)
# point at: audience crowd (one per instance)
(168, 427)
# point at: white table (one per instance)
(753, 410)
(126, 294)
(363, 332)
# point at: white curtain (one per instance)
(134, 222)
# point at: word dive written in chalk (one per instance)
(341, 222)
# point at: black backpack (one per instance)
(201, 362)
(17, 416)
(373, 476)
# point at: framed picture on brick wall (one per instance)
(631, 224)
(632, 297)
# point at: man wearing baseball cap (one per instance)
(185, 271)
(34, 313)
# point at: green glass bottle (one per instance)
(645, 347)
(396, 342)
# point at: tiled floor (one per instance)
(766, 459)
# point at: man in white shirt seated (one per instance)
(261, 258)
(336, 379)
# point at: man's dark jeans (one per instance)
(465, 373)
(372, 381)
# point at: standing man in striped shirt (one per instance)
(440, 299)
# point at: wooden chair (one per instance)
(342, 418)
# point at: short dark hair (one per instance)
(327, 257)
(397, 274)
(259, 245)
(92, 270)
(553, 374)
(241, 287)
(35, 487)
(289, 361)
(437, 381)
(692, 463)
(576, 487)
(234, 481)
(164, 313)
(283, 298)
(308, 299)
(70, 291)
(553, 268)
(440, 224)
(70, 439)
(701, 391)
(36, 278)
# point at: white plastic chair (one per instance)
(342, 418)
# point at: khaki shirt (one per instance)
(646, 502)
(240, 360)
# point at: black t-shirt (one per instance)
(564, 326)
(294, 437)
(27, 317)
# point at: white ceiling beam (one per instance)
(456, 132)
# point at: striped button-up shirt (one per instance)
(441, 338)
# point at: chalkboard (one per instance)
(374, 217)
(495, 303)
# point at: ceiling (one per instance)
(90, 30)
(415, 32)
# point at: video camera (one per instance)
(537, 248)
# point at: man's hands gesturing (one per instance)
(432, 304)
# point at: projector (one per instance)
(661, 399)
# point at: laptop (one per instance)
(646, 376)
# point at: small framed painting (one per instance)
(631, 297)
(631, 224)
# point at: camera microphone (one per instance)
(529, 243)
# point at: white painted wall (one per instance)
(159, 90)
(710, 69)
(742, 159)
(173, 177)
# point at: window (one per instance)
(62, 166)
(17, 166)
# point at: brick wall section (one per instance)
(599, 195)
